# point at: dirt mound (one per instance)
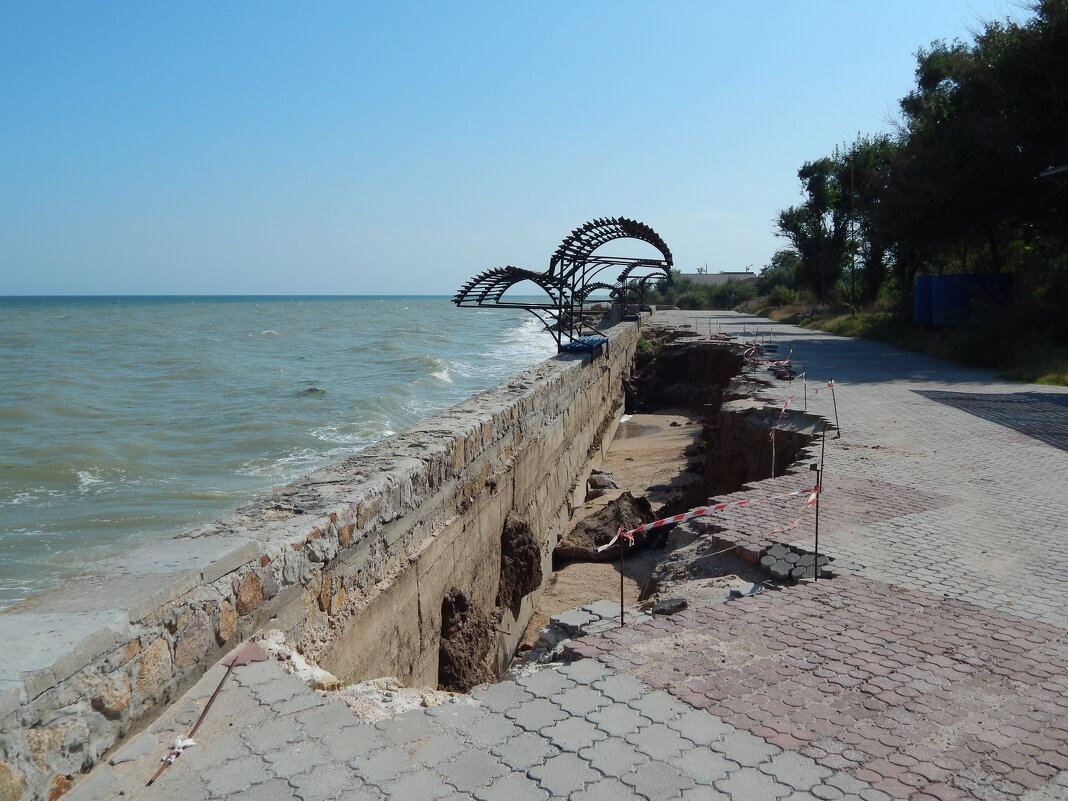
(465, 644)
(520, 563)
(581, 543)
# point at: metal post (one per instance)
(837, 428)
(819, 492)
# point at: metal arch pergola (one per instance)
(569, 281)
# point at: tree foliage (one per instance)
(957, 187)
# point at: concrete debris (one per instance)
(380, 699)
(275, 643)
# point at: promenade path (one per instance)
(933, 666)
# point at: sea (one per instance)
(125, 420)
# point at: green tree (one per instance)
(817, 228)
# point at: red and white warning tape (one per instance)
(179, 746)
(749, 360)
(704, 510)
(830, 385)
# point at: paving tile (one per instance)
(563, 774)
(471, 770)
(513, 787)
(750, 783)
(617, 720)
(501, 696)
(524, 751)
(704, 766)
(606, 790)
(322, 783)
(416, 786)
(613, 757)
(658, 780)
(572, 734)
(658, 741)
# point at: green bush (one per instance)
(783, 296)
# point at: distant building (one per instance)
(715, 279)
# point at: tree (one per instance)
(817, 228)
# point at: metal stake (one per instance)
(837, 428)
(819, 492)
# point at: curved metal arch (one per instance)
(660, 272)
(569, 282)
(583, 293)
(489, 286)
(577, 247)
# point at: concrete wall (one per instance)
(352, 562)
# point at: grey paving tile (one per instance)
(795, 771)
(436, 749)
(381, 766)
(237, 776)
(704, 766)
(572, 734)
(327, 718)
(471, 770)
(488, 731)
(455, 714)
(658, 781)
(513, 787)
(658, 706)
(545, 683)
(751, 783)
(525, 750)
(536, 715)
(700, 727)
(620, 686)
(585, 671)
(563, 774)
(580, 700)
(745, 749)
(618, 720)
(658, 741)
(501, 696)
(408, 727)
(613, 757)
(417, 786)
(325, 782)
(606, 790)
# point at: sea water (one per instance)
(127, 419)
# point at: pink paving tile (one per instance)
(912, 691)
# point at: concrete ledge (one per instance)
(351, 561)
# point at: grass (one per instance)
(1035, 362)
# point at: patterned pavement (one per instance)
(932, 667)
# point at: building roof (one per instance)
(715, 279)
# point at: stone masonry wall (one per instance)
(352, 561)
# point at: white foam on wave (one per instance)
(86, 481)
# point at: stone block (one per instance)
(153, 667)
(248, 593)
(193, 641)
(11, 783)
(113, 697)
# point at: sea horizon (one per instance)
(136, 417)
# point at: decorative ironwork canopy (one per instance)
(570, 279)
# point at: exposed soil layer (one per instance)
(685, 373)
(465, 644)
(520, 563)
(591, 532)
(676, 454)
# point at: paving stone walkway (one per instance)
(934, 666)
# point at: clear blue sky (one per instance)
(400, 147)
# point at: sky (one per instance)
(401, 147)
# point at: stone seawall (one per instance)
(353, 562)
